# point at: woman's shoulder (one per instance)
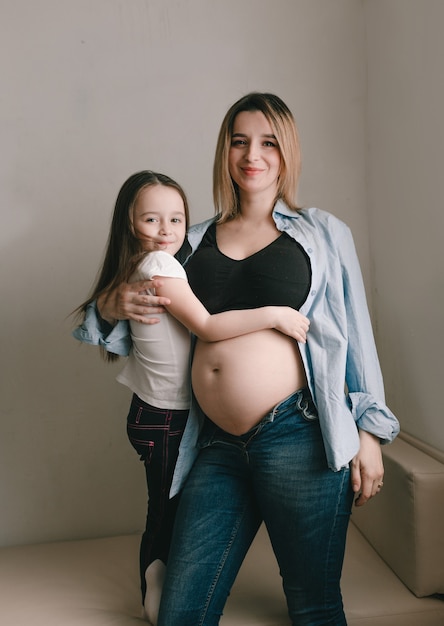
(196, 232)
(318, 228)
(323, 224)
(317, 218)
(201, 227)
(322, 218)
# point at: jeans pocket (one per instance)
(147, 454)
(144, 447)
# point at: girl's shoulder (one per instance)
(159, 263)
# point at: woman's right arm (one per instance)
(130, 301)
(105, 322)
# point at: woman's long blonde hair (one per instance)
(280, 118)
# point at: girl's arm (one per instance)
(188, 309)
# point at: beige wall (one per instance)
(405, 205)
(94, 90)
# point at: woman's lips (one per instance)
(251, 171)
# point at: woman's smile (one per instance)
(254, 157)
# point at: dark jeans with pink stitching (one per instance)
(155, 434)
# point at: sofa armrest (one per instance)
(404, 522)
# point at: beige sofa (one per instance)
(394, 557)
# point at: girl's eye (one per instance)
(176, 220)
(270, 144)
(238, 142)
(151, 219)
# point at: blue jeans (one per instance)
(276, 473)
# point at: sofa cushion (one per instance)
(374, 596)
(96, 583)
(93, 582)
(404, 522)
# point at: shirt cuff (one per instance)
(373, 416)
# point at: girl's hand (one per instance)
(367, 469)
(292, 323)
(130, 301)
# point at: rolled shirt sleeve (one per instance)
(98, 332)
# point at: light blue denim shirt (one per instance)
(340, 357)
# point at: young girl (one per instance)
(148, 228)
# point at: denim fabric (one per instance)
(155, 434)
(277, 472)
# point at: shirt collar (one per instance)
(282, 209)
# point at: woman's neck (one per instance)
(256, 207)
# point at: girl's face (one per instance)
(159, 219)
(254, 159)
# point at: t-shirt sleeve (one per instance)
(160, 263)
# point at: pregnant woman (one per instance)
(281, 442)
(284, 432)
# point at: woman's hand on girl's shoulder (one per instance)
(130, 301)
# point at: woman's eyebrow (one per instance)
(266, 135)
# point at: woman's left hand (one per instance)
(367, 469)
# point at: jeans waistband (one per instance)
(302, 398)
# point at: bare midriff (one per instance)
(238, 381)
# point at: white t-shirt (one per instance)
(158, 366)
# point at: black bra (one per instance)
(279, 274)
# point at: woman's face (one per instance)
(254, 159)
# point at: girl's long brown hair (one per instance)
(123, 250)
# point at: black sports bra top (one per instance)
(279, 274)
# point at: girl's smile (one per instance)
(159, 219)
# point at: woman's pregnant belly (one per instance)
(239, 380)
